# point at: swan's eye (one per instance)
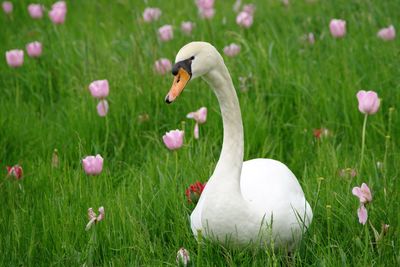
(192, 58)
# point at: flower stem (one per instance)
(363, 143)
(176, 164)
(199, 241)
(107, 134)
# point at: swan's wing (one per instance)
(271, 187)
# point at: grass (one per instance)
(294, 88)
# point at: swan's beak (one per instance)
(179, 83)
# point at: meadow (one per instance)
(287, 89)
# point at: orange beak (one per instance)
(179, 83)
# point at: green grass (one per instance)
(294, 88)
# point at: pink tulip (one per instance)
(60, 5)
(362, 214)
(93, 218)
(34, 49)
(200, 115)
(387, 34)
(35, 11)
(337, 28)
(368, 102)
(187, 27)
(165, 33)
(363, 193)
(207, 13)
(58, 12)
(182, 257)
(102, 108)
(99, 89)
(15, 171)
(249, 8)
(206, 8)
(93, 165)
(205, 4)
(311, 38)
(162, 66)
(173, 139)
(232, 50)
(151, 14)
(15, 58)
(101, 214)
(244, 19)
(7, 7)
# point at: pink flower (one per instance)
(187, 27)
(244, 19)
(368, 102)
(363, 193)
(93, 218)
(205, 4)
(249, 8)
(34, 49)
(387, 34)
(15, 58)
(162, 66)
(93, 165)
(232, 50)
(337, 28)
(151, 14)
(59, 4)
(35, 11)
(7, 7)
(102, 108)
(200, 116)
(285, 2)
(207, 13)
(311, 38)
(206, 8)
(182, 257)
(15, 171)
(58, 12)
(99, 89)
(173, 139)
(165, 33)
(362, 214)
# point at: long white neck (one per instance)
(226, 175)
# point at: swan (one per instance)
(258, 201)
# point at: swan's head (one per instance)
(193, 60)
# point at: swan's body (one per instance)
(258, 201)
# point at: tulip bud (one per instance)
(34, 49)
(368, 102)
(173, 139)
(15, 58)
(54, 160)
(165, 33)
(93, 165)
(182, 257)
(337, 28)
(15, 171)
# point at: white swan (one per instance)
(258, 201)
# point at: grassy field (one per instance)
(293, 89)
